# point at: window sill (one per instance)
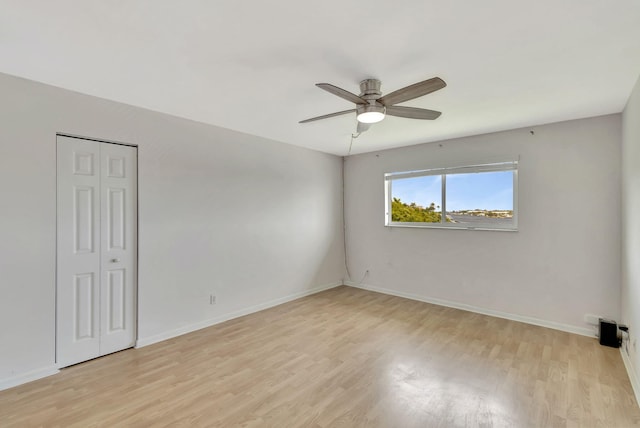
(456, 227)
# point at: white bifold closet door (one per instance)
(96, 284)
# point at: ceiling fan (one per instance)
(371, 106)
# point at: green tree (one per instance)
(412, 213)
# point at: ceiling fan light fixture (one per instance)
(370, 113)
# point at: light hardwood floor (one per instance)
(345, 358)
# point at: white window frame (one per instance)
(443, 172)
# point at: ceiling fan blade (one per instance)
(342, 93)
(412, 91)
(363, 127)
(326, 116)
(413, 112)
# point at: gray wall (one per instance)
(563, 262)
(252, 220)
(257, 222)
(631, 226)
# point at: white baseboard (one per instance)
(499, 314)
(633, 377)
(27, 377)
(146, 341)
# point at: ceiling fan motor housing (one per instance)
(370, 89)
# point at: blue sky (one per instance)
(485, 190)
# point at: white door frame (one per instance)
(136, 237)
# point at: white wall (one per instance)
(631, 226)
(563, 262)
(253, 220)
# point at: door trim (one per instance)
(56, 365)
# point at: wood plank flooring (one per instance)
(342, 358)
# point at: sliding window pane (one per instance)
(484, 199)
(416, 199)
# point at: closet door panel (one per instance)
(118, 247)
(78, 251)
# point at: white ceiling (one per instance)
(251, 66)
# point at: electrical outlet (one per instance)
(212, 299)
(625, 338)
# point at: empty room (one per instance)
(319, 214)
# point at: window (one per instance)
(471, 197)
